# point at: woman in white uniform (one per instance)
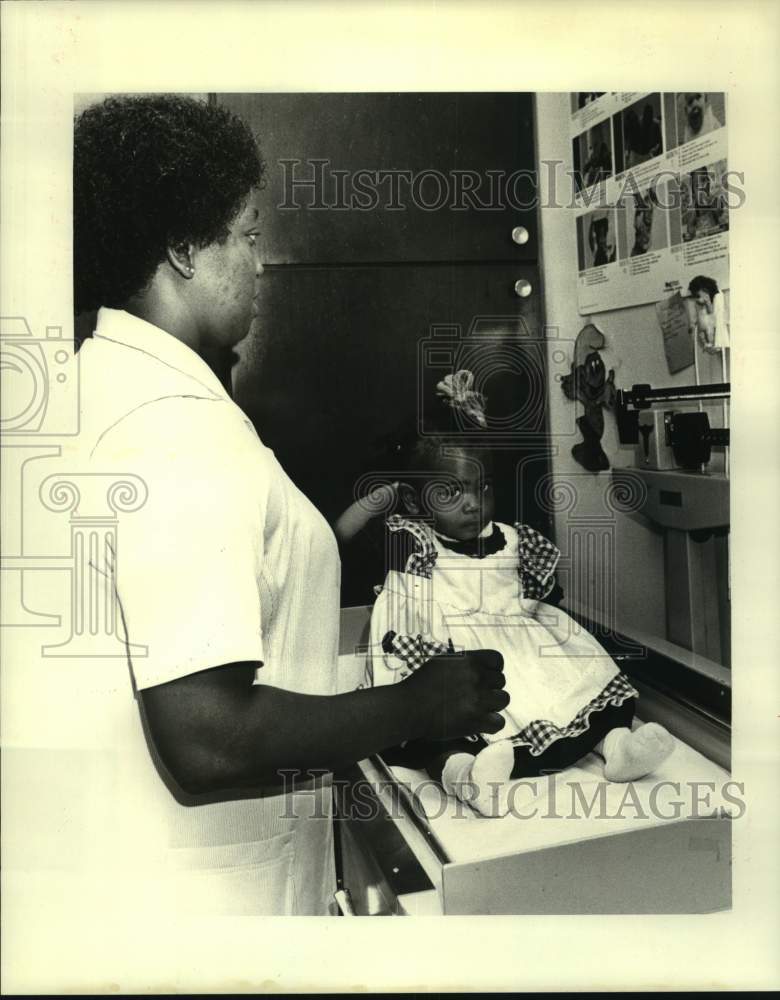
(226, 578)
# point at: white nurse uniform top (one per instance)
(226, 561)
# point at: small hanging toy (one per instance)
(595, 389)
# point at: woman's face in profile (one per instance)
(227, 281)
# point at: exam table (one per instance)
(572, 843)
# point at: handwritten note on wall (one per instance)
(675, 326)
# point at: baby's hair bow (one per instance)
(458, 392)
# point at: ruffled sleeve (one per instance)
(410, 549)
(538, 559)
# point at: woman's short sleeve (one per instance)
(186, 564)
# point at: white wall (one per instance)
(634, 348)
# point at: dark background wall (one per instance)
(349, 343)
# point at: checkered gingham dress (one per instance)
(440, 601)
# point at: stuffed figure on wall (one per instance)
(595, 389)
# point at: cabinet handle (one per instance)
(523, 288)
(520, 235)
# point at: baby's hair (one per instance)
(457, 422)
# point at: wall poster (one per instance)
(652, 195)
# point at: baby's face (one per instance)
(459, 495)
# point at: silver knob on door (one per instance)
(520, 234)
(523, 288)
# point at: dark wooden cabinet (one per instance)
(363, 311)
(343, 355)
(392, 173)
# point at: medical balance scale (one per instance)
(673, 448)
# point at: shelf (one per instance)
(686, 501)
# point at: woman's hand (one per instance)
(458, 694)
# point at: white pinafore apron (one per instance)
(556, 673)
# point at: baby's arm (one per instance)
(355, 518)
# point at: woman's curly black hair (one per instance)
(151, 172)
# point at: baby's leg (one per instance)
(565, 752)
(481, 779)
(630, 755)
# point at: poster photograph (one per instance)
(659, 162)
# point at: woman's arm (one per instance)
(216, 730)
